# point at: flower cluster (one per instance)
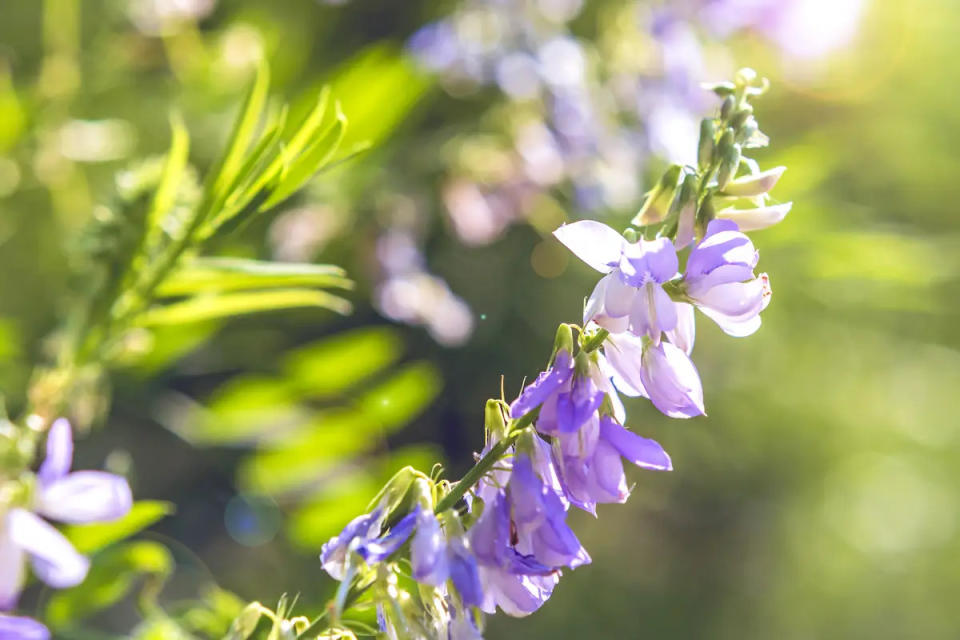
(499, 538)
(56, 493)
(595, 107)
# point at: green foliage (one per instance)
(112, 576)
(319, 427)
(91, 538)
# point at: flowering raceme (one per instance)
(500, 537)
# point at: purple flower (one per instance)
(517, 584)
(436, 558)
(539, 518)
(362, 536)
(15, 628)
(599, 478)
(78, 497)
(631, 296)
(719, 279)
(661, 372)
(335, 552)
(546, 384)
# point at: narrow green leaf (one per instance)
(311, 161)
(243, 132)
(209, 307)
(173, 169)
(111, 578)
(254, 169)
(234, 274)
(90, 538)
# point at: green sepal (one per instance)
(658, 201)
(708, 133)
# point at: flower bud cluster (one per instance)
(499, 539)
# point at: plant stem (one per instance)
(471, 477)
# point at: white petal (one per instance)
(54, 559)
(624, 353)
(593, 242)
(755, 219)
(618, 297)
(686, 330)
(11, 570)
(85, 496)
(595, 301)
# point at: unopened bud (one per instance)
(747, 131)
(246, 623)
(563, 341)
(740, 117)
(755, 184)
(659, 199)
(708, 130)
(687, 213)
(722, 89)
(494, 418)
(729, 158)
(745, 77)
(727, 107)
(705, 214)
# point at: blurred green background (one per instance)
(817, 500)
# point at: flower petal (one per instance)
(545, 385)
(465, 574)
(12, 574)
(642, 452)
(756, 219)
(59, 452)
(17, 628)
(684, 334)
(85, 496)
(671, 381)
(379, 549)
(54, 559)
(618, 296)
(593, 242)
(428, 550)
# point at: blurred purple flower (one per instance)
(78, 497)
(363, 536)
(16, 628)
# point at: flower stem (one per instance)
(484, 464)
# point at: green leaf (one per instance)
(242, 134)
(312, 160)
(90, 538)
(257, 170)
(339, 434)
(330, 366)
(204, 275)
(111, 578)
(241, 411)
(210, 307)
(378, 88)
(166, 193)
